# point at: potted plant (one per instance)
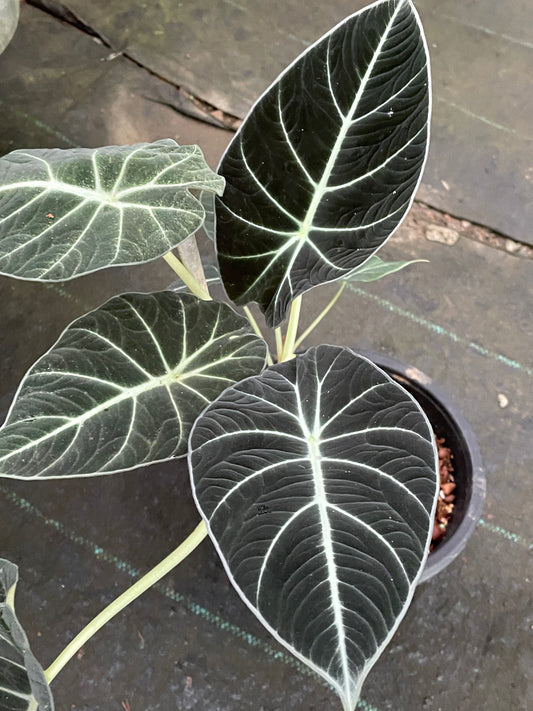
(315, 476)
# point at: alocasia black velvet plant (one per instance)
(316, 476)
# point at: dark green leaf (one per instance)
(326, 165)
(124, 384)
(69, 212)
(318, 481)
(23, 686)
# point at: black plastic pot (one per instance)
(468, 473)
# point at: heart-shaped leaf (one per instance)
(375, 268)
(326, 165)
(123, 385)
(318, 480)
(69, 212)
(23, 685)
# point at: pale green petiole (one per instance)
(187, 278)
(152, 577)
(189, 255)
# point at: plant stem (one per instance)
(321, 315)
(185, 275)
(152, 577)
(255, 326)
(279, 342)
(292, 329)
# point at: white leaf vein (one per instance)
(360, 465)
(375, 534)
(247, 478)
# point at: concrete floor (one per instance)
(228, 51)
(464, 318)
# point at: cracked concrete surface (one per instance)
(183, 101)
(227, 52)
(215, 58)
(72, 90)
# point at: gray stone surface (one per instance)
(228, 52)
(59, 87)
(464, 318)
(481, 157)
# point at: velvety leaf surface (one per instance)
(23, 686)
(124, 384)
(69, 212)
(318, 480)
(326, 165)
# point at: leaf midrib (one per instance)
(321, 501)
(162, 381)
(96, 195)
(322, 185)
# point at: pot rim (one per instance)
(449, 548)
